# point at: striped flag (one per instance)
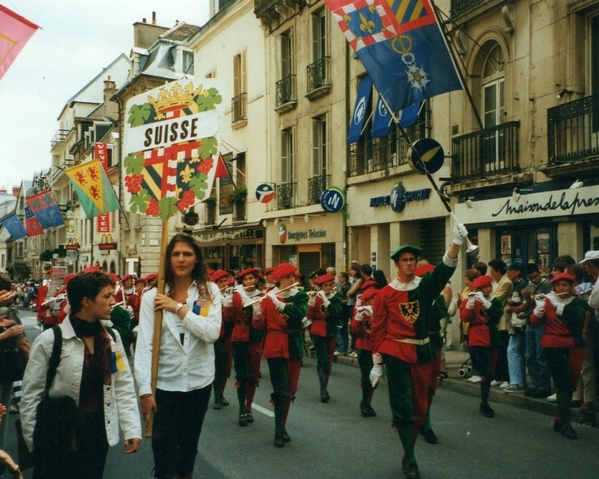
(31, 223)
(15, 31)
(93, 188)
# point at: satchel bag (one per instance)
(12, 362)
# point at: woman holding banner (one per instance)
(191, 307)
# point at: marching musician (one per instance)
(324, 309)
(360, 326)
(222, 347)
(60, 307)
(246, 341)
(124, 289)
(268, 279)
(400, 340)
(282, 312)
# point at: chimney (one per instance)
(15, 191)
(109, 84)
(153, 18)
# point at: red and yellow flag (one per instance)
(15, 31)
(93, 187)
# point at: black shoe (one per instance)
(243, 420)
(217, 404)
(429, 436)
(249, 418)
(485, 410)
(286, 436)
(364, 410)
(371, 412)
(568, 432)
(223, 401)
(538, 394)
(279, 440)
(324, 397)
(557, 426)
(411, 471)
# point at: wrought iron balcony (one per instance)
(285, 196)
(378, 154)
(460, 6)
(238, 108)
(573, 131)
(488, 152)
(318, 74)
(59, 136)
(286, 91)
(316, 185)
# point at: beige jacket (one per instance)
(503, 290)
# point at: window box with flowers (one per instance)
(210, 203)
(237, 197)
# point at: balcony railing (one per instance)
(285, 196)
(238, 108)
(488, 152)
(239, 211)
(460, 6)
(378, 154)
(286, 90)
(318, 74)
(573, 131)
(60, 135)
(316, 185)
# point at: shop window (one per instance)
(528, 245)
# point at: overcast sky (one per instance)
(77, 39)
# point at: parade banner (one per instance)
(31, 223)
(93, 188)
(171, 149)
(14, 227)
(15, 32)
(44, 207)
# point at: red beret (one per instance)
(218, 274)
(151, 277)
(114, 277)
(371, 283)
(91, 269)
(68, 278)
(209, 272)
(268, 270)
(482, 281)
(369, 293)
(141, 280)
(231, 281)
(126, 277)
(283, 270)
(423, 269)
(254, 271)
(325, 278)
(562, 276)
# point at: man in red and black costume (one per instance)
(283, 310)
(401, 342)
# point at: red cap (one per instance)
(141, 280)
(68, 278)
(254, 271)
(218, 274)
(283, 270)
(482, 281)
(231, 281)
(423, 269)
(325, 278)
(91, 269)
(150, 277)
(371, 283)
(126, 277)
(114, 277)
(369, 293)
(268, 271)
(209, 272)
(562, 276)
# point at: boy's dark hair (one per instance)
(380, 278)
(5, 283)
(532, 268)
(481, 267)
(577, 271)
(366, 269)
(86, 285)
(562, 262)
(498, 265)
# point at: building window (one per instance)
(493, 97)
(286, 85)
(188, 63)
(320, 148)
(239, 102)
(318, 74)
(285, 191)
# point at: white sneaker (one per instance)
(504, 384)
(552, 398)
(494, 382)
(474, 379)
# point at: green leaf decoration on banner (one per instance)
(140, 114)
(134, 163)
(168, 207)
(208, 147)
(199, 185)
(139, 202)
(208, 102)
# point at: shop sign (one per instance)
(399, 197)
(230, 235)
(306, 235)
(332, 199)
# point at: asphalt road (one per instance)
(333, 441)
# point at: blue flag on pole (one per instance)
(382, 120)
(401, 46)
(409, 115)
(360, 109)
(14, 226)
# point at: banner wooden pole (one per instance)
(158, 321)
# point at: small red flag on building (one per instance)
(221, 167)
(15, 31)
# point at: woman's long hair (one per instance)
(198, 274)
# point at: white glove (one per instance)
(471, 299)
(324, 298)
(257, 309)
(540, 305)
(240, 290)
(306, 322)
(227, 300)
(279, 305)
(460, 233)
(376, 374)
(363, 311)
(312, 300)
(481, 297)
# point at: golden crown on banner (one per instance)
(175, 99)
